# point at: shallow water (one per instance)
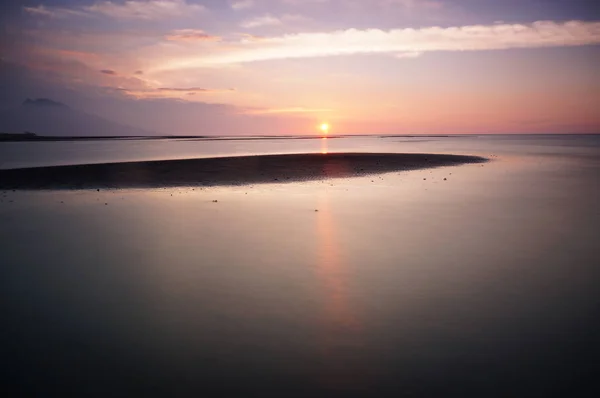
(32, 154)
(403, 284)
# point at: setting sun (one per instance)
(325, 128)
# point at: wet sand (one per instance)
(223, 171)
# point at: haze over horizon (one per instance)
(265, 67)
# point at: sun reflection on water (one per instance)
(324, 150)
(341, 338)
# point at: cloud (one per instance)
(302, 2)
(131, 9)
(266, 20)
(409, 41)
(194, 89)
(164, 115)
(154, 9)
(291, 110)
(269, 20)
(246, 37)
(170, 92)
(408, 4)
(138, 72)
(81, 56)
(413, 54)
(109, 72)
(53, 12)
(413, 4)
(191, 35)
(242, 5)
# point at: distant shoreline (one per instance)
(239, 170)
(45, 138)
(4, 137)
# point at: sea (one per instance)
(476, 280)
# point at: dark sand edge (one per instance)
(239, 170)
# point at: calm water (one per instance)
(31, 154)
(402, 284)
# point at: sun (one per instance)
(324, 127)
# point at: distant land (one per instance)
(29, 136)
(46, 117)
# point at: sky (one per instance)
(287, 66)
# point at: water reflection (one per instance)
(341, 337)
(324, 150)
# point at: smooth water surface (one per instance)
(403, 284)
(32, 154)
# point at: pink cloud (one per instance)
(53, 12)
(405, 41)
(191, 35)
(242, 5)
(130, 9)
(171, 92)
(153, 9)
(290, 110)
(193, 89)
(265, 20)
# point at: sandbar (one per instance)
(237, 170)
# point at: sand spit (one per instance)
(223, 171)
